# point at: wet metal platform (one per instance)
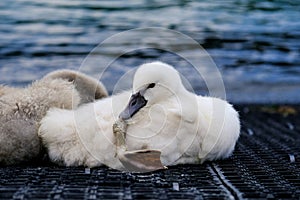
(265, 165)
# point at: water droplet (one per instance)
(292, 158)
(250, 131)
(176, 186)
(290, 126)
(87, 170)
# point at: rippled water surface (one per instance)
(255, 44)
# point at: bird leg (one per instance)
(135, 161)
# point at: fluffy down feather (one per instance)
(186, 128)
(21, 110)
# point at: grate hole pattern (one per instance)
(261, 167)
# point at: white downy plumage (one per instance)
(161, 115)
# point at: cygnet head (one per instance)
(152, 83)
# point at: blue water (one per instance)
(255, 44)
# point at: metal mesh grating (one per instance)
(265, 164)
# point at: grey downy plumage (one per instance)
(21, 110)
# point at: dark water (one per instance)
(255, 44)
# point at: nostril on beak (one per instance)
(133, 103)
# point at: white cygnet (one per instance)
(161, 115)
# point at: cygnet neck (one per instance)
(188, 103)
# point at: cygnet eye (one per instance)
(151, 85)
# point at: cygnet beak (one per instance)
(136, 102)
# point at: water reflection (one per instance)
(255, 44)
